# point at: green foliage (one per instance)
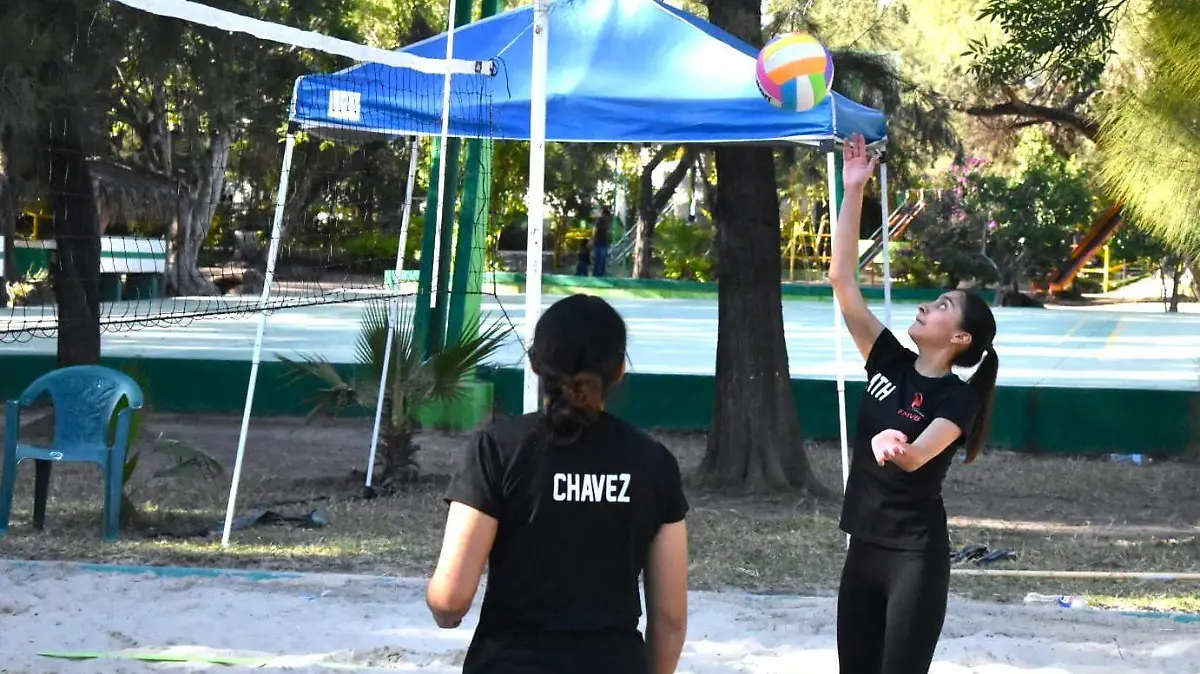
(866, 38)
(1151, 135)
(510, 175)
(685, 249)
(414, 380)
(1134, 244)
(919, 271)
(1065, 42)
(574, 173)
(376, 248)
(1020, 224)
(185, 461)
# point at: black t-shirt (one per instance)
(601, 231)
(576, 523)
(886, 505)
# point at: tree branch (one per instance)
(1087, 126)
(663, 196)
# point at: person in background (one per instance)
(568, 506)
(600, 241)
(584, 259)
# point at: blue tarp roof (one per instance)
(628, 71)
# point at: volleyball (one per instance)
(795, 72)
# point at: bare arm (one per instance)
(932, 441)
(666, 597)
(864, 327)
(465, 548)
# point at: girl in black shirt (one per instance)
(912, 417)
(568, 507)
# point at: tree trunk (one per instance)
(9, 208)
(8, 230)
(643, 245)
(755, 442)
(1177, 269)
(193, 222)
(75, 268)
(1193, 267)
(651, 203)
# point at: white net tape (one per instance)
(217, 18)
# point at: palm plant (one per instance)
(414, 380)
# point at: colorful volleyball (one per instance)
(795, 72)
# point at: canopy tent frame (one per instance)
(272, 259)
(538, 117)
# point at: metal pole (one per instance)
(887, 256)
(272, 255)
(537, 176)
(393, 316)
(837, 329)
(445, 134)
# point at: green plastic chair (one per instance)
(84, 399)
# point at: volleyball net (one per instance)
(226, 180)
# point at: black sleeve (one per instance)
(479, 480)
(885, 351)
(959, 406)
(673, 502)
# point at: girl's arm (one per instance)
(468, 540)
(856, 171)
(934, 440)
(666, 597)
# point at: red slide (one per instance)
(898, 224)
(1105, 226)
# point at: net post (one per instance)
(393, 316)
(832, 166)
(449, 155)
(537, 176)
(470, 258)
(886, 250)
(285, 175)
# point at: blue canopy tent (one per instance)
(611, 71)
(620, 71)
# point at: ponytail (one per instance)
(571, 404)
(578, 353)
(983, 383)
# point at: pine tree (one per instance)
(1151, 136)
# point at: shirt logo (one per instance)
(879, 387)
(914, 412)
(577, 488)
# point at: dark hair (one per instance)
(978, 321)
(578, 351)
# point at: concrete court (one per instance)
(1134, 346)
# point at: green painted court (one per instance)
(1139, 348)
(1072, 380)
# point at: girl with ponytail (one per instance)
(913, 416)
(568, 507)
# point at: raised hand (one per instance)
(887, 445)
(857, 169)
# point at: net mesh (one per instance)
(180, 176)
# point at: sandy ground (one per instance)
(292, 624)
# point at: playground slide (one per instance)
(898, 224)
(1102, 230)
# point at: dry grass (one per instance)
(1060, 514)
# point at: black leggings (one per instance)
(891, 606)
